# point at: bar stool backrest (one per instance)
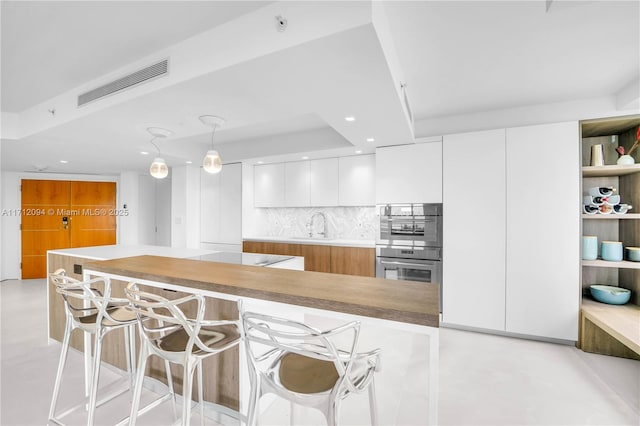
(159, 316)
(83, 301)
(269, 338)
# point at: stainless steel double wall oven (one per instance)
(409, 244)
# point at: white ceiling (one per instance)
(456, 57)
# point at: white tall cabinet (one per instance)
(474, 229)
(511, 201)
(221, 208)
(409, 173)
(543, 230)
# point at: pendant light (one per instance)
(158, 168)
(212, 163)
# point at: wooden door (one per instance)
(93, 218)
(44, 203)
(59, 214)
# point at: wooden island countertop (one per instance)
(403, 301)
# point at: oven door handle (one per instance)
(413, 265)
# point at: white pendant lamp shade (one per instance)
(159, 169)
(212, 162)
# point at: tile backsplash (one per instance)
(349, 223)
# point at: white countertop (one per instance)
(119, 251)
(316, 241)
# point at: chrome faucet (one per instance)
(312, 223)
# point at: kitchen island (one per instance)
(73, 262)
(400, 317)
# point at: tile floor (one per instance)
(484, 379)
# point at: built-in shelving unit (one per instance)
(611, 329)
(613, 170)
(611, 216)
(607, 264)
(611, 133)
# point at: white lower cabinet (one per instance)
(511, 230)
(474, 229)
(543, 230)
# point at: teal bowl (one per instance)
(610, 294)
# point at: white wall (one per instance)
(129, 196)
(10, 200)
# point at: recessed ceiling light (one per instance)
(64, 161)
(350, 118)
(371, 140)
(189, 162)
(260, 162)
(144, 153)
(305, 158)
(359, 151)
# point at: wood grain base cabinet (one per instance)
(321, 258)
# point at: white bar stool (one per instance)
(95, 313)
(305, 366)
(167, 332)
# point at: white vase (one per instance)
(625, 160)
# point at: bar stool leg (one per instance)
(373, 409)
(95, 376)
(137, 392)
(200, 398)
(167, 366)
(187, 387)
(61, 363)
(130, 350)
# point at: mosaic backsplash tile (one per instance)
(349, 223)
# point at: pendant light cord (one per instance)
(213, 133)
(156, 146)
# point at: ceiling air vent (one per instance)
(145, 74)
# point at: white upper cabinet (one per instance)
(543, 237)
(296, 184)
(357, 180)
(344, 181)
(474, 229)
(324, 182)
(268, 185)
(409, 173)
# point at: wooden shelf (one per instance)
(612, 216)
(614, 170)
(606, 264)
